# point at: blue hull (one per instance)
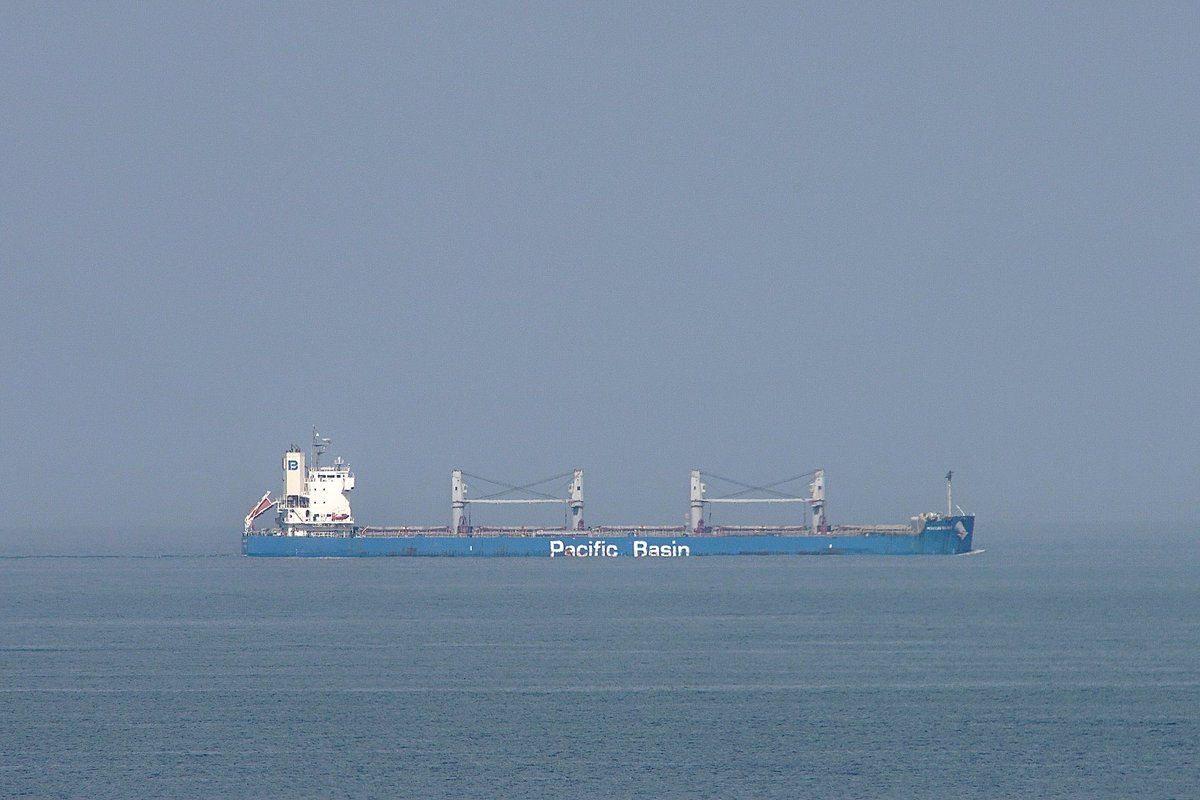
(942, 537)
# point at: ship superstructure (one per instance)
(315, 499)
(313, 517)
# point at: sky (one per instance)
(887, 240)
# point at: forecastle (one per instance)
(604, 549)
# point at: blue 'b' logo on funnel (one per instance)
(293, 464)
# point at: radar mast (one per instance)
(319, 445)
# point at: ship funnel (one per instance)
(293, 473)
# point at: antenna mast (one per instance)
(319, 444)
(950, 493)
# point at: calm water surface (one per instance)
(1024, 671)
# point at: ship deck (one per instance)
(612, 531)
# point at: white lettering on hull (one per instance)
(643, 549)
(604, 549)
(596, 549)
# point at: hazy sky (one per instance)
(884, 240)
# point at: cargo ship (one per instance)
(313, 518)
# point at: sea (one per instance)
(1053, 664)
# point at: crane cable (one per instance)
(511, 488)
(768, 488)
